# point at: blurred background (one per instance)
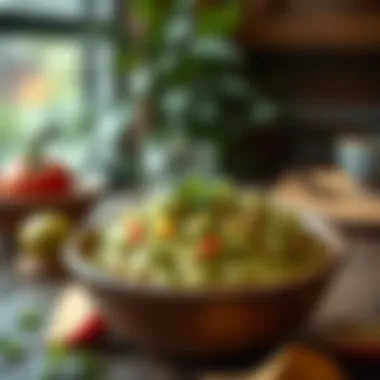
(276, 93)
(61, 64)
(58, 66)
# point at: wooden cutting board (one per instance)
(331, 193)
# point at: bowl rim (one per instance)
(90, 275)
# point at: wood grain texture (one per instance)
(310, 30)
(314, 24)
(331, 193)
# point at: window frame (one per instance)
(89, 29)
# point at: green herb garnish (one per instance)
(56, 358)
(78, 365)
(31, 321)
(90, 366)
(11, 350)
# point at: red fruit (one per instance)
(76, 321)
(22, 180)
(92, 328)
(210, 247)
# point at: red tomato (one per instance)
(136, 233)
(23, 181)
(210, 247)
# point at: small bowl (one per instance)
(74, 206)
(206, 324)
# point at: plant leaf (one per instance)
(141, 82)
(263, 113)
(176, 103)
(220, 20)
(149, 11)
(235, 86)
(215, 49)
(179, 31)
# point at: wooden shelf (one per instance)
(322, 30)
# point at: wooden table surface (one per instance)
(355, 293)
(331, 192)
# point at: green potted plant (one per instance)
(187, 76)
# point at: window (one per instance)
(54, 70)
(68, 9)
(40, 82)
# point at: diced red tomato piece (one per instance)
(210, 247)
(22, 181)
(136, 233)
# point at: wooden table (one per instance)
(332, 193)
(355, 293)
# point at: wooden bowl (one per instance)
(204, 324)
(75, 207)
